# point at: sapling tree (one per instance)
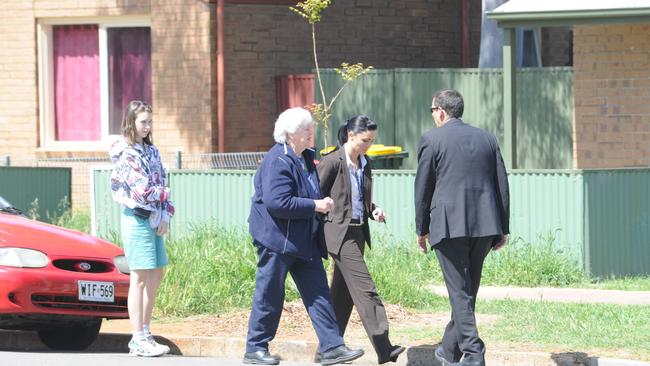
(311, 11)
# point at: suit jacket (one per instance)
(461, 185)
(282, 216)
(335, 182)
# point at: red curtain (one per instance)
(76, 82)
(129, 65)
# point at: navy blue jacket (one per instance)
(282, 216)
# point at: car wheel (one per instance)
(71, 338)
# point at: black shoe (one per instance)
(261, 358)
(440, 357)
(395, 351)
(340, 354)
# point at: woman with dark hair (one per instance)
(346, 177)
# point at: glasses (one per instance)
(434, 109)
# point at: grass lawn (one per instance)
(213, 271)
(617, 331)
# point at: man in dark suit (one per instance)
(462, 209)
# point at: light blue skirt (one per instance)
(143, 248)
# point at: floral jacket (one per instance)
(139, 180)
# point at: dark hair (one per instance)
(450, 101)
(356, 124)
(131, 112)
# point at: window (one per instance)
(88, 72)
(529, 47)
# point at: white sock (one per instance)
(146, 329)
(138, 335)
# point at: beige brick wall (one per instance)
(184, 75)
(263, 41)
(180, 37)
(18, 93)
(612, 96)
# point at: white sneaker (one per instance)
(152, 341)
(144, 349)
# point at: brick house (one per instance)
(611, 75)
(208, 67)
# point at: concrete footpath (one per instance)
(416, 354)
(575, 295)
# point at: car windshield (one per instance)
(5, 206)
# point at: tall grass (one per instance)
(64, 216)
(78, 220)
(533, 264)
(402, 273)
(211, 270)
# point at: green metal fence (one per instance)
(598, 216)
(617, 221)
(399, 100)
(45, 190)
(105, 213)
(222, 197)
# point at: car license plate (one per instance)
(96, 291)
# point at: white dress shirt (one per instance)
(356, 180)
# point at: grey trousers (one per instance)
(353, 285)
(461, 262)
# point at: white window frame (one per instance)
(47, 131)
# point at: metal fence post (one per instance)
(179, 160)
(6, 160)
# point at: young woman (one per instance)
(345, 176)
(139, 183)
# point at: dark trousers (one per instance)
(352, 285)
(461, 262)
(311, 280)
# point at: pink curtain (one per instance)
(129, 70)
(76, 83)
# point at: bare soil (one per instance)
(408, 328)
(294, 324)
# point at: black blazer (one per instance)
(461, 185)
(335, 182)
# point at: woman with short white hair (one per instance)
(285, 224)
(290, 121)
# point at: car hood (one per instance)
(18, 231)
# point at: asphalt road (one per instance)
(112, 359)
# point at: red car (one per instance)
(58, 282)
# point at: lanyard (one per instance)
(358, 177)
(315, 188)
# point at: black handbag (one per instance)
(141, 213)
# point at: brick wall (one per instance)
(184, 75)
(18, 101)
(556, 46)
(183, 78)
(612, 96)
(263, 41)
